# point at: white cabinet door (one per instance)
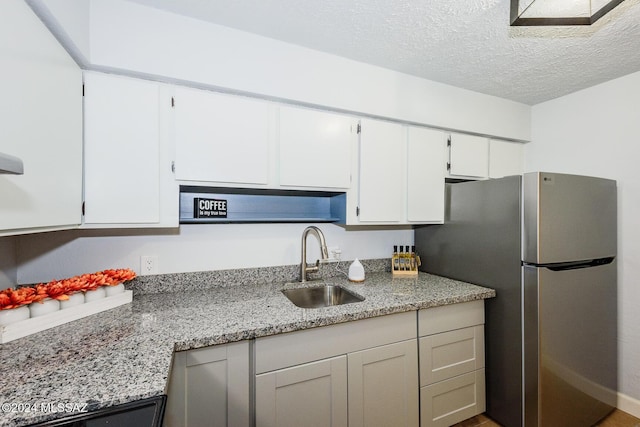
(210, 387)
(221, 138)
(315, 148)
(383, 386)
(401, 175)
(310, 395)
(40, 123)
(505, 158)
(426, 157)
(125, 180)
(469, 156)
(382, 177)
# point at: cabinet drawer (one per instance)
(449, 317)
(294, 348)
(448, 402)
(450, 354)
(204, 355)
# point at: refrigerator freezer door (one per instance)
(568, 218)
(570, 345)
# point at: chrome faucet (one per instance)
(323, 249)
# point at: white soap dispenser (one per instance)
(356, 271)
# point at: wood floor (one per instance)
(616, 419)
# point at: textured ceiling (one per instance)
(465, 43)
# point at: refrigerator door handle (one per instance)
(572, 265)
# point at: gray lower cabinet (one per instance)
(452, 377)
(313, 395)
(379, 384)
(210, 387)
(383, 386)
(362, 373)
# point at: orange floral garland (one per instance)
(61, 289)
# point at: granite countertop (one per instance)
(125, 354)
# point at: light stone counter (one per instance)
(125, 354)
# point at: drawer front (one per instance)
(295, 348)
(450, 354)
(200, 356)
(451, 401)
(449, 317)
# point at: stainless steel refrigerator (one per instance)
(546, 243)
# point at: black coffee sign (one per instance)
(209, 208)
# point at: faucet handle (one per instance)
(315, 268)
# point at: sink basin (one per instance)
(321, 296)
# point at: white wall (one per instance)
(47, 256)
(127, 36)
(597, 132)
(73, 18)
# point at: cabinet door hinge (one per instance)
(173, 166)
(359, 129)
(357, 210)
(82, 89)
(173, 102)
(83, 208)
(449, 146)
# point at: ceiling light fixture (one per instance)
(559, 12)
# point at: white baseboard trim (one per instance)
(629, 405)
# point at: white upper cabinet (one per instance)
(221, 138)
(382, 178)
(315, 148)
(127, 178)
(469, 156)
(477, 157)
(505, 158)
(426, 156)
(401, 175)
(41, 123)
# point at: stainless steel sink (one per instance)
(321, 296)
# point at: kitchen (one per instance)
(577, 123)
